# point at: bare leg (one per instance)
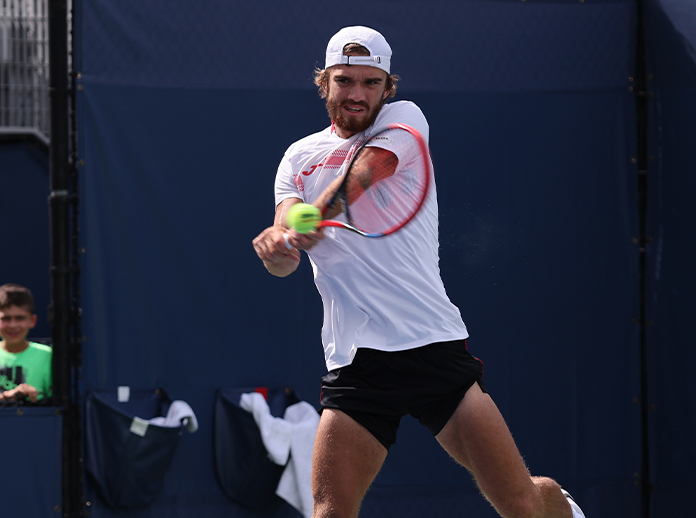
(478, 438)
(346, 460)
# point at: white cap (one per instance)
(380, 51)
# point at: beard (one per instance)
(352, 124)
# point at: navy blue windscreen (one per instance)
(671, 41)
(183, 115)
(25, 246)
(33, 484)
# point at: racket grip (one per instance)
(287, 243)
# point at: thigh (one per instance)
(478, 438)
(346, 460)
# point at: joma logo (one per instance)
(311, 169)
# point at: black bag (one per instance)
(126, 461)
(244, 471)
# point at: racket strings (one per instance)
(368, 171)
(389, 182)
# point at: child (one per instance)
(25, 367)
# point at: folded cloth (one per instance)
(289, 442)
(180, 413)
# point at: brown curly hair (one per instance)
(321, 75)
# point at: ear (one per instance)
(325, 82)
(33, 320)
(388, 87)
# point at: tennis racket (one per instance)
(385, 184)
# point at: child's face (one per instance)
(15, 323)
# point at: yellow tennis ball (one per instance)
(303, 217)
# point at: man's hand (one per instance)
(278, 247)
(271, 247)
(303, 241)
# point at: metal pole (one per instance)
(642, 96)
(61, 270)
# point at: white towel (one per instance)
(275, 432)
(295, 486)
(180, 413)
(290, 441)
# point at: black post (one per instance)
(642, 97)
(60, 201)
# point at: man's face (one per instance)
(355, 96)
(15, 323)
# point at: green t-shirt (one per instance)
(31, 366)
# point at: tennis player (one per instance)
(393, 341)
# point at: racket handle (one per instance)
(287, 243)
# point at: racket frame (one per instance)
(340, 195)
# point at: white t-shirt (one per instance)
(383, 293)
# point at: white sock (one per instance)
(577, 512)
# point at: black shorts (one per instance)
(378, 388)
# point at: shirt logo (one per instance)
(311, 169)
(10, 377)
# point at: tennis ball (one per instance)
(303, 217)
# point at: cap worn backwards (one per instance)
(380, 51)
